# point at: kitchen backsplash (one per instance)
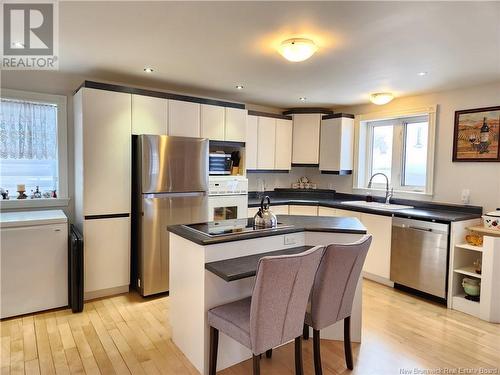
(285, 180)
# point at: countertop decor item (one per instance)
(22, 194)
(491, 220)
(472, 287)
(474, 239)
(4, 193)
(265, 218)
(476, 135)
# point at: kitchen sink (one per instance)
(377, 205)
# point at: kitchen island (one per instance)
(215, 263)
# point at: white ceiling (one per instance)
(209, 47)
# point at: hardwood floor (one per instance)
(130, 335)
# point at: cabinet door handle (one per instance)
(57, 230)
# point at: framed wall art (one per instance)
(476, 135)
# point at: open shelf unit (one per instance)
(469, 271)
(462, 258)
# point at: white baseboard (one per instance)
(378, 279)
(105, 292)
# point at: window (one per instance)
(399, 147)
(33, 142)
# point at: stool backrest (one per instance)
(279, 300)
(335, 283)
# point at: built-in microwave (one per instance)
(219, 164)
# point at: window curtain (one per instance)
(27, 130)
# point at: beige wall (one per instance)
(482, 179)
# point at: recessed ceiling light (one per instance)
(297, 49)
(239, 87)
(421, 74)
(381, 98)
(302, 98)
(148, 69)
(18, 45)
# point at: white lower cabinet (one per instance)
(378, 260)
(280, 210)
(347, 213)
(303, 210)
(107, 256)
(252, 211)
(34, 269)
(327, 211)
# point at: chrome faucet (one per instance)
(388, 195)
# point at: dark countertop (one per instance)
(246, 266)
(294, 224)
(428, 211)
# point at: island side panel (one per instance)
(336, 331)
(187, 295)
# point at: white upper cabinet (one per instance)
(283, 147)
(212, 122)
(337, 140)
(236, 123)
(266, 140)
(183, 118)
(149, 115)
(306, 131)
(251, 142)
(104, 140)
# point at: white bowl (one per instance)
(491, 220)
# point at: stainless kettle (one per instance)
(265, 218)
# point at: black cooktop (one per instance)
(227, 227)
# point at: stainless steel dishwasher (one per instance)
(419, 255)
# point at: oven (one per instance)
(227, 198)
(219, 164)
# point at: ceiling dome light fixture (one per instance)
(239, 87)
(148, 69)
(297, 49)
(302, 98)
(381, 98)
(422, 74)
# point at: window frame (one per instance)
(364, 125)
(62, 147)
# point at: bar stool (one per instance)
(274, 314)
(333, 292)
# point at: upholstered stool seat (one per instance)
(233, 319)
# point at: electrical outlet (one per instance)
(465, 196)
(290, 240)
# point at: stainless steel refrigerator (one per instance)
(170, 187)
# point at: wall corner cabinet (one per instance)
(103, 127)
(306, 138)
(336, 145)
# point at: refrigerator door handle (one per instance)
(174, 195)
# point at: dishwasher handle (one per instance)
(421, 229)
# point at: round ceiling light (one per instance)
(239, 87)
(381, 98)
(297, 49)
(148, 69)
